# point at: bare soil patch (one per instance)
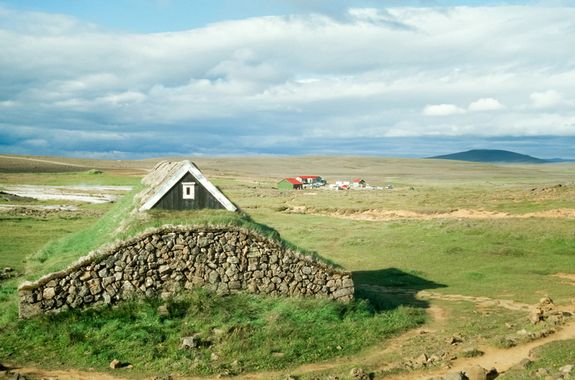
(570, 277)
(65, 374)
(390, 215)
(479, 301)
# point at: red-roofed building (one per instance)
(311, 180)
(290, 184)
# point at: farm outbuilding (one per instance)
(181, 186)
(290, 184)
(358, 182)
(311, 180)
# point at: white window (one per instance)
(188, 190)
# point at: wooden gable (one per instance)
(181, 186)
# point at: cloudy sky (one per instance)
(142, 78)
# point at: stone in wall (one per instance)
(166, 261)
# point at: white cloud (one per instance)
(546, 99)
(364, 76)
(442, 110)
(485, 104)
(8, 103)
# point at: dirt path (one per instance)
(390, 215)
(501, 359)
(68, 374)
(479, 301)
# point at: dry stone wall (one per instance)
(172, 259)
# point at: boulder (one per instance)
(163, 311)
(194, 341)
(492, 374)
(475, 372)
(524, 363)
(455, 339)
(542, 372)
(48, 293)
(422, 359)
(358, 374)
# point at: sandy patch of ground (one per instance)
(566, 276)
(390, 215)
(79, 193)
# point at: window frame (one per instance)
(191, 186)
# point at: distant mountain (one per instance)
(492, 155)
(560, 160)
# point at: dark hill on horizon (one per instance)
(493, 156)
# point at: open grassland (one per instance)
(468, 243)
(25, 233)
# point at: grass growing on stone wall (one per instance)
(158, 218)
(237, 333)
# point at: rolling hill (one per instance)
(493, 156)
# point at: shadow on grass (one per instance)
(386, 289)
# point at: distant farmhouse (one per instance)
(311, 180)
(181, 186)
(290, 184)
(301, 182)
(355, 184)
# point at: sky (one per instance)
(144, 78)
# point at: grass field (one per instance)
(510, 258)
(24, 235)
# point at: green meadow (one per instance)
(436, 245)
